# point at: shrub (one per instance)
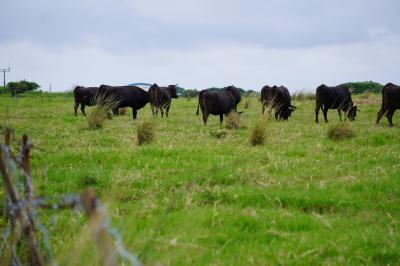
(145, 132)
(233, 120)
(340, 131)
(360, 87)
(21, 87)
(257, 133)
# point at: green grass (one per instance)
(192, 198)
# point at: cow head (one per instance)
(287, 112)
(172, 90)
(352, 113)
(235, 93)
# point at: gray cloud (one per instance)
(201, 43)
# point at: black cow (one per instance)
(338, 98)
(160, 98)
(84, 96)
(390, 102)
(123, 96)
(218, 102)
(277, 98)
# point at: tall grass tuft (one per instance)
(95, 119)
(122, 111)
(247, 103)
(340, 131)
(233, 120)
(257, 132)
(145, 132)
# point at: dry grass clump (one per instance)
(233, 120)
(101, 111)
(96, 117)
(145, 132)
(247, 103)
(257, 133)
(122, 111)
(340, 131)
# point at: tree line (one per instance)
(22, 86)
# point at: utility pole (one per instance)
(4, 70)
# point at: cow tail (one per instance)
(198, 106)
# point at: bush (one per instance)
(340, 131)
(233, 120)
(257, 133)
(21, 87)
(145, 132)
(360, 87)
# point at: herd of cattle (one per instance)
(223, 101)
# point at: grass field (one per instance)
(198, 197)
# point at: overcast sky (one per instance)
(199, 44)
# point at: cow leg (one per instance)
(205, 117)
(389, 116)
(76, 108)
(263, 108)
(276, 115)
(221, 118)
(325, 111)
(380, 114)
(162, 111)
(134, 114)
(317, 107)
(83, 109)
(152, 110)
(340, 114)
(115, 111)
(167, 110)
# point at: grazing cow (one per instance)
(218, 102)
(390, 102)
(84, 96)
(123, 96)
(338, 98)
(277, 98)
(160, 98)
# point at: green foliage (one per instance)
(365, 86)
(21, 87)
(189, 93)
(2, 90)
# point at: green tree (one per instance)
(365, 86)
(21, 87)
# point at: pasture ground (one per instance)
(197, 196)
